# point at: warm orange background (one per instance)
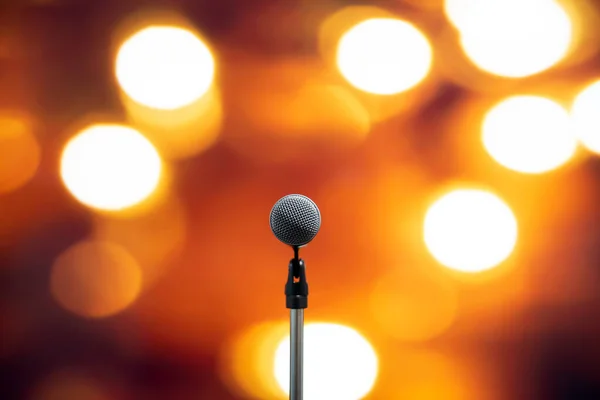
(201, 284)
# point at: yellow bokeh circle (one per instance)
(529, 134)
(95, 279)
(110, 167)
(165, 67)
(512, 38)
(470, 230)
(384, 56)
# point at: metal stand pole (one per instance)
(296, 291)
(296, 353)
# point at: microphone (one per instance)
(295, 220)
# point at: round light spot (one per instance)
(470, 230)
(165, 67)
(384, 56)
(110, 167)
(95, 279)
(529, 134)
(511, 38)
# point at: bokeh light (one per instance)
(340, 22)
(246, 362)
(529, 134)
(586, 117)
(413, 308)
(95, 279)
(384, 56)
(110, 167)
(165, 67)
(20, 152)
(512, 38)
(155, 239)
(339, 363)
(470, 230)
(379, 107)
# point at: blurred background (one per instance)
(451, 145)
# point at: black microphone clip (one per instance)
(296, 288)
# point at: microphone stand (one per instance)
(296, 291)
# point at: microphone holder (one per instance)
(296, 292)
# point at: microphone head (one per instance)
(295, 220)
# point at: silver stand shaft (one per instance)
(296, 352)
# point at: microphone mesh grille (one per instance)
(295, 220)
